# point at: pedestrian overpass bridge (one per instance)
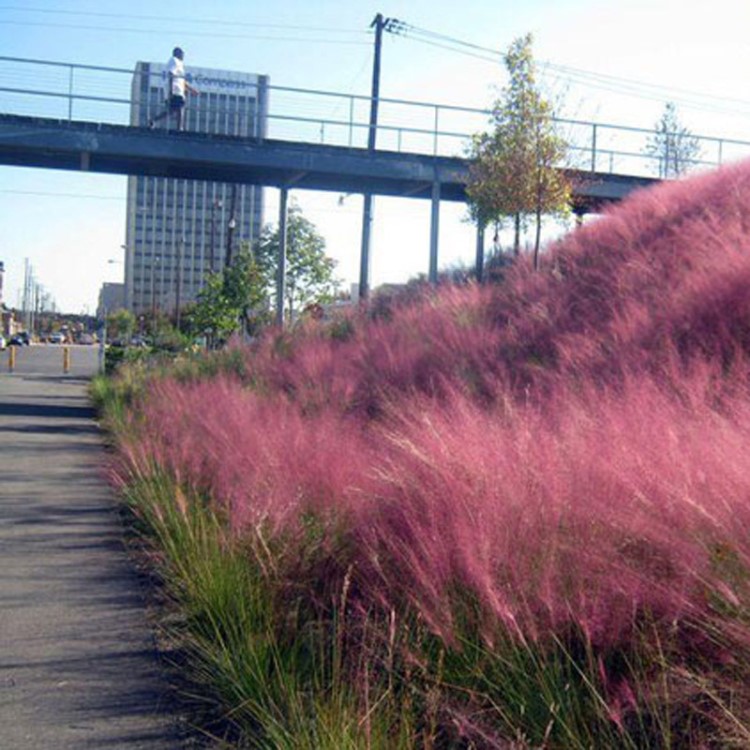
(127, 150)
(79, 117)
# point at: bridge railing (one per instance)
(70, 91)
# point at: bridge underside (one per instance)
(120, 149)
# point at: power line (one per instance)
(662, 95)
(466, 53)
(187, 19)
(52, 194)
(402, 27)
(184, 33)
(605, 78)
(601, 81)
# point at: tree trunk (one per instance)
(538, 238)
(517, 237)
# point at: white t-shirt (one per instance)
(176, 70)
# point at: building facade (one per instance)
(111, 298)
(179, 230)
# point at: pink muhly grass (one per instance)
(505, 482)
(257, 458)
(601, 514)
(668, 265)
(430, 347)
(667, 271)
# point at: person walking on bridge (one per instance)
(177, 88)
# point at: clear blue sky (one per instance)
(628, 58)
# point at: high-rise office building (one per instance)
(179, 230)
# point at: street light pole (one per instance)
(231, 227)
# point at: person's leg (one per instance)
(165, 113)
(158, 117)
(180, 112)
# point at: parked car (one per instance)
(16, 341)
(2, 342)
(56, 338)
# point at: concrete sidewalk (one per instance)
(78, 664)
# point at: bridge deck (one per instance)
(120, 149)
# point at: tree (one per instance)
(238, 297)
(232, 298)
(309, 271)
(673, 146)
(120, 324)
(515, 169)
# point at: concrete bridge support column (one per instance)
(434, 226)
(364, 258)
(281, 260)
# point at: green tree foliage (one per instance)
(120, 324)
(673, 147)
(515, 168)
(239, 297)
(231, 299)
(310, 275)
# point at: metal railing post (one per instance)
(351, 121)
(435, 134)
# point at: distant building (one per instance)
(179, 230)
(111, 298)
(2, 280)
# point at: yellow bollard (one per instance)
(66, 359)
(11, 358)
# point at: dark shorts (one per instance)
(176, 102)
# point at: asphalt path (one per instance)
(78, 662)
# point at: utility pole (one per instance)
(364, 262)
(379, 23)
